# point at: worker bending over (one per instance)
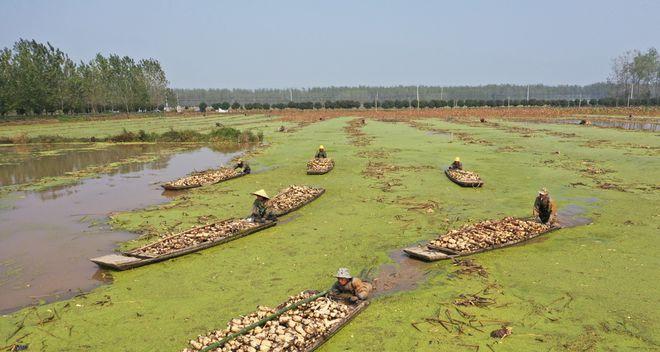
(244, 166)
(355, 288)
(545, 208)
(321, 153)
(260, 212)
(456, 165)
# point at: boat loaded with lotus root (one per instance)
(183, 243)
(320, 166)
(293, 198)
(203, 178)
(480, 237)
(302, 323)
(464, 178)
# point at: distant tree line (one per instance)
(431, 104)
(38, 78)
(363, 94)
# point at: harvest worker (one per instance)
(354, 287)
(321, 153)
(260, 212)
(243, 165)
(544, 207)
(456, 165)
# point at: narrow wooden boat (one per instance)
(321, 171)
(170, 187)
(357, 310)
(432, 254)
(282, 213)
(131, 259)
(476, 183)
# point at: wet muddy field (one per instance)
(47, 237)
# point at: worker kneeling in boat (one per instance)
(354, 287)
(456, 165)
(260, 212)
(321, 154)
(544, 207)
(243, 165)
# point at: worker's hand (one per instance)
(353, 299)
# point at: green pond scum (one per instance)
(585, 288)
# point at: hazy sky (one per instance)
(257, 44)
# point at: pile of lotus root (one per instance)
(195, 236)
(488, 233)
(204, 177)
(464, 175)
(320, 164)
(295, 330)
(292, 197)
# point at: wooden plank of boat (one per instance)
(321, 172)
(130, 260)
(169, 187)
(301, 204)
(434, 254)
(426, 254)
(463, 183)
(358, 309)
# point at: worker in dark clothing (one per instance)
(260, 212)
(456, 165)
(544, 207)
(321, 154)
(243, 165)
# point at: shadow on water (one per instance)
(47, 238)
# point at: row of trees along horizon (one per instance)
(38, 79)
(429, 104)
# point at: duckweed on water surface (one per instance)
(591, 287)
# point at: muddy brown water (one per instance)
(47, 238)
(405, 274)
(28, 163)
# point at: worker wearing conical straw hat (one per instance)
(544, 207)
(260, 212)
(242, 164)
(456, 165)
(353, 287)
(321, 153)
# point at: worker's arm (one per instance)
(362, 289)
(535, 210)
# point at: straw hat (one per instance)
(457, 159)
(343, 273)
(261, 193)
(543, 191)
(321, 147)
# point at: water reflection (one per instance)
(47, 238)
(28, 163)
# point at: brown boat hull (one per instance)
(434, 254)
(472, 184)
(169, 187)
(127, 260)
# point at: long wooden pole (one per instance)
(262, 321)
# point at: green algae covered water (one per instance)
(590, 287)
